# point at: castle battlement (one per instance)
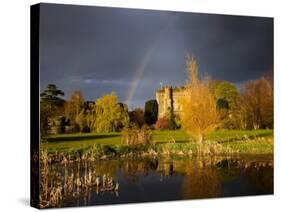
(174, 88)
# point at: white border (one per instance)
(14, 119)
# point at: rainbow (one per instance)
(140, 69)
(137, 76)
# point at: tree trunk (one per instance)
(200, 142)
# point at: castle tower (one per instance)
(169, 99)
(164, 100)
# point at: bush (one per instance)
(133, 135)
(73, 128)
(162, 124)
(178, 122)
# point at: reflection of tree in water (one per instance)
(107, 167)
(173, 167)
(200, 181)
(257, 171)
(260, 175)
(133, 170)
(204, 176)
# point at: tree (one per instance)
(51, 106)
(123, 117)
(257, 101)
(238, 117)
(90, 115)
(226, 91)
(52, 95)
(151, 112)
(45, 115)
(137, 117)
(110, 115)
(222, 104)
(200, 115)
(226, 100)
(86, 118)
(73, 109)
(268, 76)
(81, 121)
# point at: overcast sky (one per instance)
(98, 50)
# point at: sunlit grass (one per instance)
(245, 141)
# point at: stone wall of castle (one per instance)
(169, 98)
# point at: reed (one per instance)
(57, 186)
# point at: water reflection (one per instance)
(134, 169)
(200, 181)
(139, 180)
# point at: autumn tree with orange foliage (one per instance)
(73, 108)
(257, 103)
(200, 116)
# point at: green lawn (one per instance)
(80, 140)
(256, 141)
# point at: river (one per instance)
(157, 179)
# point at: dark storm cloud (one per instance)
(99, 50)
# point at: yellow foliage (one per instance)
(110, 115)
(200, 115)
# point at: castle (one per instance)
(168, 99)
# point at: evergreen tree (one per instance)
(151, 112)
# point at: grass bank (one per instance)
(242, 141)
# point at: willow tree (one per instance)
(110, 115)
(200, 116)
